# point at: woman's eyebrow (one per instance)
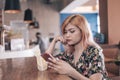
(70, 29)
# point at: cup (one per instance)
(41, 63)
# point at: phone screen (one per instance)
(46, 56)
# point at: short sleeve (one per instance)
(96, 63)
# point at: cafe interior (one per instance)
(20, 20)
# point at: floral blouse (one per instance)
(90, 62)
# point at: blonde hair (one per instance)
(80, 22)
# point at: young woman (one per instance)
(83, 58)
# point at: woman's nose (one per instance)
(68, 34)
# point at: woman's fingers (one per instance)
(51, 56)
(53, 66)
(61, 39)
(53, 60)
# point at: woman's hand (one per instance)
(60, 38)
(60, 66)
(52, 44)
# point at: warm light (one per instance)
(28, 21)
(12, 11)
(86, 9)
(12, 6)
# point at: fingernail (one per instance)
(57, 58)
(49, 58)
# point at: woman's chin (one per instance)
(70, 44)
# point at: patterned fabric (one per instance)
(90, 62)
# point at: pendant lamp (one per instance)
(12, 6)
(28, 15)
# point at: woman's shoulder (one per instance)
(93, 50)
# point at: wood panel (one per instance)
(0, 17)
(1, 28)
(26, 69)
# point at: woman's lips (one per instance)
(68, 40)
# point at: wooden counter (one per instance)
(26, 69)
(116, 78)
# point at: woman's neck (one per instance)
(78, 48)
(77, 53)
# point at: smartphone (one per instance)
(46, 56)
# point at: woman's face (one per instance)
(72, 34)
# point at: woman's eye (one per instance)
(65, 32)
(72, 31)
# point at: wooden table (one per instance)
(117, 62)
(26, 69)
